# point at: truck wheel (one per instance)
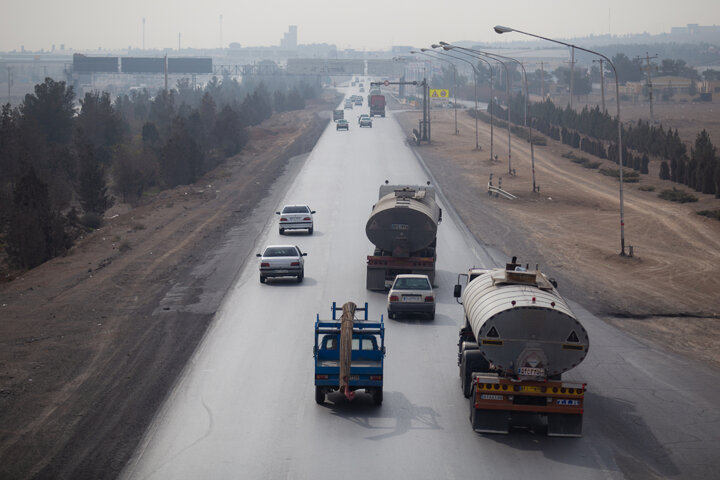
(472, 361)
(319, 395)
(262, 279)
(378, 396)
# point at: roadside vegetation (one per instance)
(64, 163)
(677, 195)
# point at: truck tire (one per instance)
(319, 395)
(378, 396)
(472, 361)
(262, 279)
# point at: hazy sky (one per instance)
(364, 24)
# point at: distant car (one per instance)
(348, 105)
(362, 89)
(359, 101)
(342, 125)
(365, 122)
(364, 115)
(411, 293)
(297, 217)
(282, 261)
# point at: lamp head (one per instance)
(413, 52)
(448, 47)
(435, 45)
(501, 29)
(425, 50)
(444, 43)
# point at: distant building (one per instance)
(290, 39)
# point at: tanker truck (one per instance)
(519, 339)
(403, 227)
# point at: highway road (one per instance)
(244, 406)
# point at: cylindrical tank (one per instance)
(404, 220)
(522, 325)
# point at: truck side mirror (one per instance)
(457, 290)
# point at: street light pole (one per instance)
(475, 54)
(501, 29)
(475, 83)
(602, 82)
(421, 52)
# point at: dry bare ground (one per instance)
(667, 292)
(85, 357)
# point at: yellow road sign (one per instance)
(439, 93)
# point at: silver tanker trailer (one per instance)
(519, 338)
(403, 227)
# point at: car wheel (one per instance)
(310, 230)
(391, 314)
(282, 231)
(262, 279)
(301, 276)
(431, 316)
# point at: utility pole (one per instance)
(648, 68)
(166, 75)
(143, 33)
(602, 83)
(542, 80)
(572, 77)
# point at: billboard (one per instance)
(190, 65)
(85, 64)
(386, 68)
(142, 65)
(317, 66)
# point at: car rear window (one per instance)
(412, 284)
(280, 252)
(299, 209)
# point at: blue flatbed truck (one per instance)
(367, 357)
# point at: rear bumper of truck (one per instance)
(382, 270)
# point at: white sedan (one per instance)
(296, 217)
(411, 294)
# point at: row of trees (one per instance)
(63, 163)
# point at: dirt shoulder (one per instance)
(667, 292)
(90, 344)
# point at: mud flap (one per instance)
(375, 279)
(564, 425)
(489, 421)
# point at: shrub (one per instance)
(629, 176)
(710, 214)
(124, 247)
(92, 220)
(677, 195)
(646, 188)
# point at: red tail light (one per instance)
(321, 377)
(295, 264)
(264, 264)
(429, 299)
(375, 377)
(283, 219)
(306, 219)
(394, 298)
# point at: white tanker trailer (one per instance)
(518, 339)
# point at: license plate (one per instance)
(574, 403)
(410, 298)
(531, 372)
(354, 377)
(490, 397)
(531, 389)
(281, 271)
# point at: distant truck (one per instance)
(377, 105)
(519, 338)
(349, 355)
(338, 115)
(403, 227)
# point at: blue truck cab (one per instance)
(367, 358)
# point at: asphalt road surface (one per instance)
(245, 408)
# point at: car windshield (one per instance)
(280, 252)
(297, 209)
(412, 284)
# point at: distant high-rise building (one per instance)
(289, 40)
